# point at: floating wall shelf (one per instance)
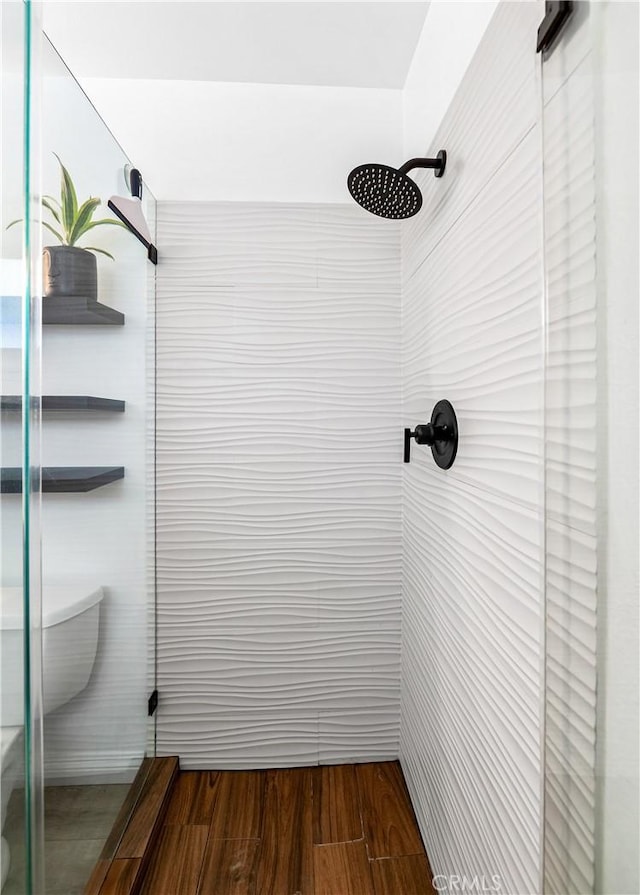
(56, 479)
(66, 402)
(77, 312)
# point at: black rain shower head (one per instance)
(388, 192)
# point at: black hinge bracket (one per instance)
(153, 702)
(556, 14)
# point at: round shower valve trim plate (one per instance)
(441, 434)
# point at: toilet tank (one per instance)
(70, 628)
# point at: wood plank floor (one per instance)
(334, 830)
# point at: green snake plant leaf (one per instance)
(72, 222)
(55, 232)
(50, 207)
(83, 219)
(102, 251)
(99, 223)
(47, 204)
(69, 201)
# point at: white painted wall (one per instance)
(256, 142)
(449, 38)
(203, 141)
(344, 44)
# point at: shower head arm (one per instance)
(438, 164)
(419, 163)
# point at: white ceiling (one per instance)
(335, 44)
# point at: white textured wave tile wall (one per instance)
(472, 536)
(279, 464)
(571, 448)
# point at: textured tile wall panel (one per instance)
(241, 244)
(492, 111)
(236, 740)
(341, 733)
(370, 264)
(568, 53)
(571, 467)
(327, 356)
(570, 256)
(570, 711)
(472, 536)
(260, 244)
(279, 449)
(476, 339)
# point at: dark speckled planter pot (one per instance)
(69, 273)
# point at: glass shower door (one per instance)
(20, 670)
(98, 529)
(590, 165)
(77, 609)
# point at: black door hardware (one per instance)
(153, 703)
(441, 434)
(556, 14)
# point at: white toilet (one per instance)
(70, 624)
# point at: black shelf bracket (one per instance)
(152, 252)
(131, 214)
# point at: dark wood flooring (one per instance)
(121, 865)
(333, 830)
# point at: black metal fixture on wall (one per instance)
(441, 435)
(130, 211)
(388, 192)
(557, 13)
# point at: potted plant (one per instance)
(69, 270)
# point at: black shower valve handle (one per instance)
(429, 434)
(408, 435)
(441, 435)
(424, 433)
